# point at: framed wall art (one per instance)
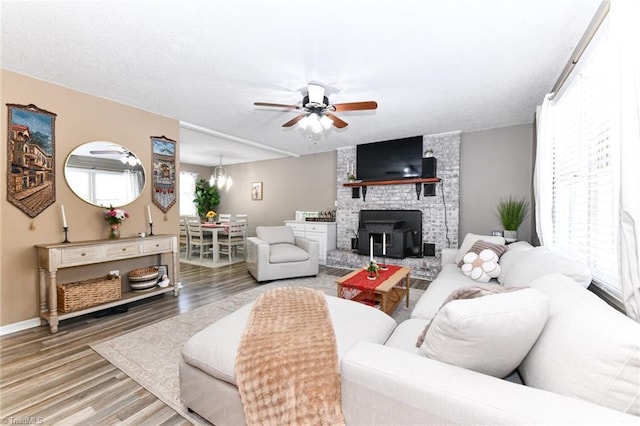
(31, 158)
(256, 190)
(163, 191)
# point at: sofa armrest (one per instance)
(448, 255)
(383, 385)
(257, 252)
(310, 246)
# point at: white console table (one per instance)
(322, 232)
(52, 257)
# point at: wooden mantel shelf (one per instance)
(355, 186)
(392, 182)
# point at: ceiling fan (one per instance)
(125, 156)
(318, 112)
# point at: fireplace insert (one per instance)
(400, 230)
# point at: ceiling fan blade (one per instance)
(339, 123)
(294, 120)
(355, 106)
(268, 104)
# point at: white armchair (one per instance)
(276, 253)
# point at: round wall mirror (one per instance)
(104, 174)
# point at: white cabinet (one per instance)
(322, 232)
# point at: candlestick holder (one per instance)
(383, 265)
(66, 230)
(150, 228)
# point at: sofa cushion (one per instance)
(490, 334)
(449, 279)
(472, 292)
(481, 266)
(276, 234)
(515, 252)
(587, 349)
(481, 245)
(214, 349)
(404, 336)
(286, 253)
(540, 261)
(470, 239)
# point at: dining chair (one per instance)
(198, 239)
(242, 218)
(224, 217)
(184, 236)
(233, 237)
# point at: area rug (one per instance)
(150, 355)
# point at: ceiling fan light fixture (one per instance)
(129, 159)
(326, 122)
(316, 94)
(219, 176)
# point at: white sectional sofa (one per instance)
(584, 367)
(580, 364)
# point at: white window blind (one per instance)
(188, 193)
(585, 186)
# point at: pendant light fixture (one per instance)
(220, 177)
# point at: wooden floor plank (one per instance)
(60, 379)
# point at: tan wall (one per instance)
(80, 118)
(289, 184)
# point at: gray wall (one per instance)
(289, 184)
(494, 164)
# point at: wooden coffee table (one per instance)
(387, 294)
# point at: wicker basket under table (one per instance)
(88, 293)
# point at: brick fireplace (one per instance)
(440, 213)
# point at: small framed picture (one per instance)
(162, 271)
(496, 233)
(256, 190)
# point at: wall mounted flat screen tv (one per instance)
(390, 160)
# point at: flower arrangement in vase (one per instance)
(114, 218)
(374, 270)
(210, 215)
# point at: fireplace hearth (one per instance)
(400, 230)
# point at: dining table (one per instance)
(214, 229)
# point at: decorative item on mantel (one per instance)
(114, 218)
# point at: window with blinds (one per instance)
(188, 193)
(585, 165)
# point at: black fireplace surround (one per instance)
(402, 231)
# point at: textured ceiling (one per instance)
(432, 66)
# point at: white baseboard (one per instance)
(19, 326)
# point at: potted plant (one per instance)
(512, 212)
(206, 198)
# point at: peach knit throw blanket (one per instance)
(287, 368)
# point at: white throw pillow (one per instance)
(587, 350)
(481, 267)
(541, 261)
(490, 334)
(470, 239)
(515, 252)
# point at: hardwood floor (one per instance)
(58, 379)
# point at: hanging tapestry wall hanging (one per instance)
(164, 172)
(31, 159)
